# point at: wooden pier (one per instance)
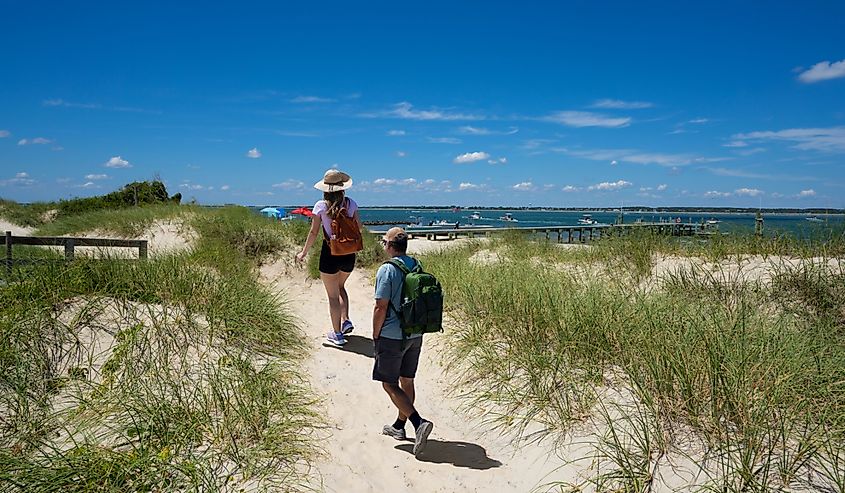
(581, 233)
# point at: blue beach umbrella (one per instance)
(273, 212)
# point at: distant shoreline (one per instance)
(634, 210)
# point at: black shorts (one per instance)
(331, 264)
(394, 361)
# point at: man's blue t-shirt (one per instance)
(389, 286)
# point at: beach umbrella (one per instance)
(303, 211)
(272, 212)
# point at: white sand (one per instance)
(14, 228)
(459, 455)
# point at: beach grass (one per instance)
(127, 223)
(745, 372)
(31, 215)
(176, 373)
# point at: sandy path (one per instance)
(459, 456)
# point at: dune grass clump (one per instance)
(179, 373)
(715, 358)
(31, 215)
(124, 223)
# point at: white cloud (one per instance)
(443, 140)
(501, 160)
(713, 194)
(736, 143)
(96, 106)
(613, 163)
(748, 192)
(570, 189)
(471, 157)
(831, 139)
(587, 119)
(406, 111)
(468, 130)
(36, 141)
(621, 105)
(191, 186)
(610, 186)
(21, 179)
(468, 186)
(89, 184)
(638, 157)
(401, 153)
(823, 71)
(525, 186)
(225, 187)
(311, 99)
(117, 162)
(4, 134)
(405, 184)
(395, 133)
(662, 187)
(96, 177)
(699, 120)
(290, 185)
(254, 153)
(807, 193)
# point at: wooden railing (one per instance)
(69, 245)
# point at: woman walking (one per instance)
(338, 217)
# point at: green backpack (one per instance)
(422, 300)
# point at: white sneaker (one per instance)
(422, 437)
(335, 338)
(390, 431)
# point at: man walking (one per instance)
(396, 358)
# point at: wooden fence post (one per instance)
(69, 244)
(142, 249)
(9, 253)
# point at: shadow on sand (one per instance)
(355, 344)
(459, 454)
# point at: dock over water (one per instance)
(581, 233)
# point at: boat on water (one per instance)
(442, 223)
(508, 217)
(587, 219)
(475, 215)
(713, 221)
(814, 219)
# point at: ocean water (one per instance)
(735, 223)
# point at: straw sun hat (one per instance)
(334, 181)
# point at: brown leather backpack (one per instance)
(347, 236)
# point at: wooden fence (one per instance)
(69, 245)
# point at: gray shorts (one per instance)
(394, 361)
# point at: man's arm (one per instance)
(379, 314)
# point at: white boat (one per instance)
(587, 219)
(442, 223)
(814, 219)
(475, 215)
(508, 217)
(713, 221)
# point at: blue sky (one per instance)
(486, 103)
